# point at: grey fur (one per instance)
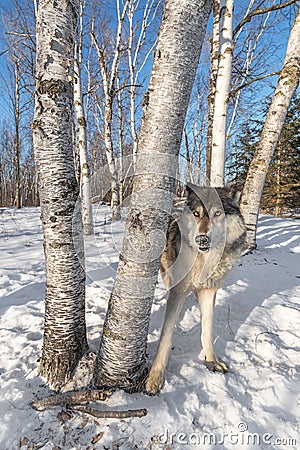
(187, 264)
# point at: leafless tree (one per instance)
(81, 138)
(109, 78)
(287, 84)
(64, 332)
(221, 94)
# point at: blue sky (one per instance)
(275, 41)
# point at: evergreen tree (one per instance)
(281, 191)
(242, 154)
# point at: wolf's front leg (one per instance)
(156, 375)
(206, 299)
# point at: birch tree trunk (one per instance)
(131, 64)
(215, 48)
(17, 143)
(85, 185)
(221, 94)
(109, 82)
(188, 157)
(65, 332)
(278, 205)
(109, 93)
(287, 84)
(122, 353)
(121, 140)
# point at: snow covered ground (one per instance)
(257, 328)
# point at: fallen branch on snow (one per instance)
(111, 414)
(71, 398)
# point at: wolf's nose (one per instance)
(203, 242)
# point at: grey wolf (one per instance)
(204, 240)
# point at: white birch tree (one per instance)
(120, 138)
(287, 84)
(65, 331)
(221, 95)
(109, 78)
(85, 184)
(214, 60)
(251, 41)
(122, 353)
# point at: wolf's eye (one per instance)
(218, 213)
(196, 214)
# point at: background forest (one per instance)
(116, 44)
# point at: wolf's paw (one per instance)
(155, 382)
(216, 366)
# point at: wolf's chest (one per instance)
(205, 273)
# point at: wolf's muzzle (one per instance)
(203, 242)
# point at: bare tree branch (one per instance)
(253, 80)
(125, 86)
(258, 11)
(12, 33)
(250, 56)
(10, 46)
(121, 18)
(102, 63)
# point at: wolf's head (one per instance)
(210, 216)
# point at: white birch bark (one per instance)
(120, 139)
(122, 352)
(221, 94)
(85, 186)
(65, 331)
(278, 205)
(286, 86)
(115, 199)
(215, 48)
(131, 64)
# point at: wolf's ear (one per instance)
(237, 197)
(190, 189)
(235, 192)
